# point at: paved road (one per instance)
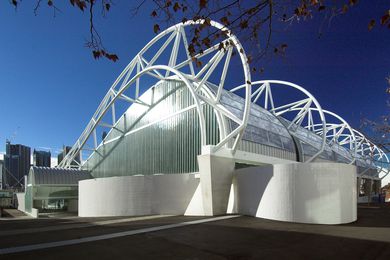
(232, 238)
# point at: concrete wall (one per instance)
(138, 195)
(20, 197)
(322, 193)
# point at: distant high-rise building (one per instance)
(1, 174)
(42, 158)
(64, 152)
(17, 161)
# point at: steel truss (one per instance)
(173, 40)
(173, 43)
(300, 110)
(338, 132)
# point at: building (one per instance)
(42, 158)
(53, 189)
(196, 142)
(65, 150)
(1, 174)
(17, 161)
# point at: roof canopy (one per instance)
(56, 176)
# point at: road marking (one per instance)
(19, 249)
(77, 225)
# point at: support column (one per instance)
(216, 175)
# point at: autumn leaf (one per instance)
(191, 49)
(225, 20)
(353, 2)
(96, 54)
(176, 7)
(371, 24)
(112, 57)
(207, 21)
(156, 28)
(345, 8)
(221, 46)
(202, 4)
(244, 24)
(206, 41)
(249, 59)
(385, 18)
(81, 5)
(154, 13)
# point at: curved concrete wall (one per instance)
(136, 195)
(321, 193)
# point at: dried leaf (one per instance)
(206, 41)
(96, 54)
(176, 7)
(156, 28)
(353, 2)
(385, 19)
(345, 8)
(244, 24)
(202, 4)
(371, 24)
(225, 20)
(81, 4)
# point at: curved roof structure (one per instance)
(56, 176)
(174, 109)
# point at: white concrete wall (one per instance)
(137, 195)
(216, 175)
(322, 193)
(20, 197)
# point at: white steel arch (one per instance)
(303, 109)
(377, 159)
(339, 132)
(174, 39)
(380, 159)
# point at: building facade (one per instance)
(42, 158)
(65, 151)
(17, 162)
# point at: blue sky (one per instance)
(50, 85)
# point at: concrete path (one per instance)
(32, 247)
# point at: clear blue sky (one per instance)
(50, 86)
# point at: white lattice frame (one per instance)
(195, 82)
(269, 104)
